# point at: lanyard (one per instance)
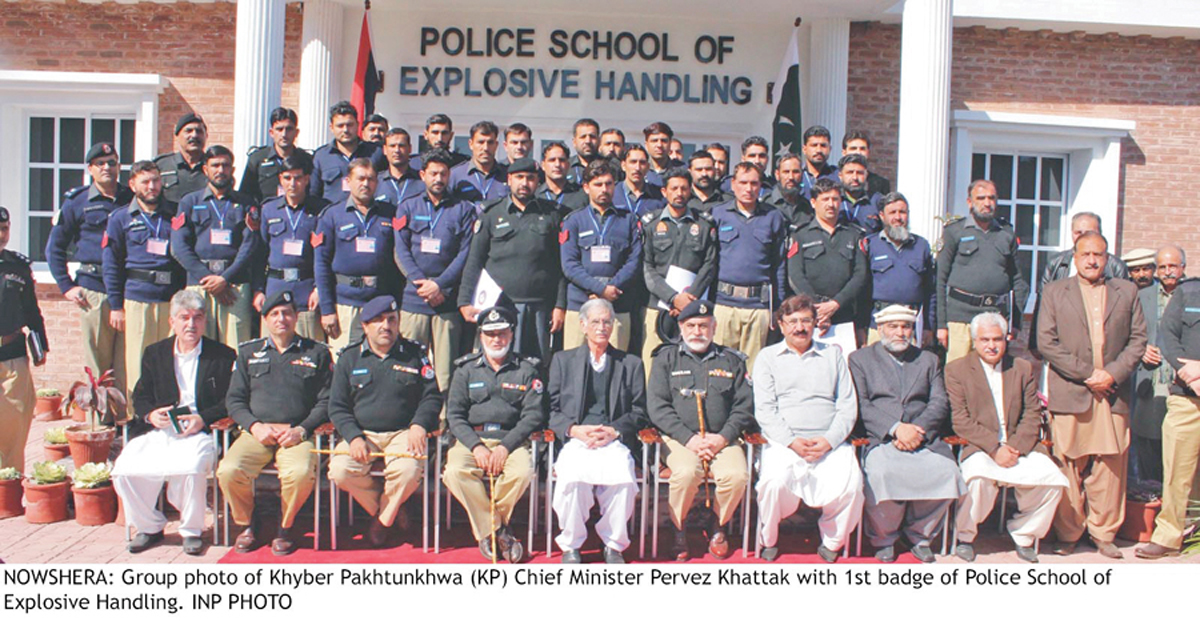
(557, 199)
(846, 210)
(479, 181)
(366, 223)
(604, 229)
(157, 222)
(299, 218)
(400, 191)
(433, 220)
(220, 214)
(634, 207)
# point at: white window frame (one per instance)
(27, 94)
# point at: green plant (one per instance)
(1192, 543)
(48, 392)
(48, 472)
(9, 474)
(92, 475)
(99, 398)
(55, 435)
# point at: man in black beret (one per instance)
(183, 169)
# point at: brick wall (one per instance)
(1153, 81)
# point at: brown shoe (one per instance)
(284, 542)
(718, 544)
(378, 534)
(680, 547)
(246, 541)
(1107, 548)
(1154, 551)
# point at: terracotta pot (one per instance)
(95, 506)
(10, 498)
(1139, 520)
(55, 452)
(47, 408)
(77, 414)
(46, 503)
(89, 446)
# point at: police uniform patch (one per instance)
(679, 373)
(304, 362)
(720, 373)
(427, 372)
(661, 228)
(478, 223)
(518, 387)
(400, 367)
(695, 230)
(537, 386)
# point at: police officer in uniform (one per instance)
(557, 187)
(288, 222)
(635, 194)
(675, 240)
(517, 243)
(755, 150)
(331, 162)
(658, 145)
(260, 180)
(859, 206)
(374, 128)
(706, 193)
(859, 141)
(481, 179)
(213, 237)
(697, 369)
(354, 261)
(81, 221)
(439, 134)
(902, 269)
(826, 260)
(585, 135)
(977, 271)
(433, 234)
(496, 401)
(18, 311)
(400, 181)
(384, 399)
(750, 264)
(786, 195)
(139, 274)
(601, 256)
(815, 147)
(183, 170)
(279, 395)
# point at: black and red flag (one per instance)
(366, 76)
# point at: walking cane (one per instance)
(492, 494)
(372, 455)
(699, 394)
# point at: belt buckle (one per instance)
(216, 266)
(741, 292)
(491, 427)
(370, 281)
(291, 274)
(988, 300)
(162, 278)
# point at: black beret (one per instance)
(100, 149)
(187, 119)
(522, 165)
(698, 308)
(281, 297)
(3, 214)
(378, 306)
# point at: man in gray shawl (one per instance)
(911, 477)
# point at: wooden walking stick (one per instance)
(699, 394)
(492, 494)
(375, 454)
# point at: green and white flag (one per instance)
(786, 130)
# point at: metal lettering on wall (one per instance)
(592, 45)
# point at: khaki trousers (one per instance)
(401, 475)
(1181, 449)
(297, 466)
(351, 328)
(146, 323)
(103, 347)
(573, 335)
(1094, 499)
(959, 342)
(228, 324)
(17, 397)
(744, 329)
(650, 340)
(728, 470)
(308, 325)
(442, 333)
(470, 485)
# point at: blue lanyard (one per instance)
(220, 214)
(853, 217)
(299, 218)
(635, 208)
(592, 213)
(433, 221)
(157, 224)
(365, 223)
(557, 199)
(479, 181)
(400, 192)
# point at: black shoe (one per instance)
(613, 557)
(1027, 554)
(769, 554)
(827, 555)
(923, 553)
(965, 551)
(571, 557)
(144, 541)
(886, 554)
(193, 546)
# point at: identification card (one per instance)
(364, 244)
(345, 184)
(220, 237)
(293, 247)
(431, 245)
(601, 254)
(157, 247)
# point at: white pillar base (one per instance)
(320, 46)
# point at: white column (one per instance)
(925, 54)
(829, 64)
(258, 77)
(320, 43)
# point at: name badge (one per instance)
(220, 237)
(345, 184)
(364, 244)
(431, 245)
(157, 247)
(601, 254)
(293, 247)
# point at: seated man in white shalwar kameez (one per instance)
(995, 408)
(804, 401)
(597, 406)
(911, 477)
(189, 374)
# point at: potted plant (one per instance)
(46, 493)
(10, 493)
(104, 406)
(54, 443)
(48, 402)
(95, 497)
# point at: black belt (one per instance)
(216, 266)
(998, 301)
(290, 274)
(740, 291)
(358, 282)
(90, 269)
(157, 277)
(491, 427)
(9, 339)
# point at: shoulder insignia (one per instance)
(736, 352)
(952, 219)
(316, 239)
(647, 218)
(257, 341)
(104, 240)
(22, 259)
(399, 223)
(793, 249)
(661, 347)
(461, 360)
(563, 236)
(73, 192)
(253, 219)
(534, 361)
(178, 220)
(862, 245)
(478, 224)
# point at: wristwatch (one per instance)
(303, 434)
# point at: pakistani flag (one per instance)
(786, 130)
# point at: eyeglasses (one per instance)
(805, 321)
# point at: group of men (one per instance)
(602, 292)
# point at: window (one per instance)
(57, 147)
(1031, 195)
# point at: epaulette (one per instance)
(350, 345)
(251, 342)
(662, 347)
(73, 192)
(461, 360)
(952, 219)
(532, 360)
(418, 344)
(736, 352)
(1002, 221)
(492, 203)
(20, 258)
(648, 218)
(253, 149)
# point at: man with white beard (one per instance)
(902, 268)
(701, 399)
(597, 406)
(804, 401)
